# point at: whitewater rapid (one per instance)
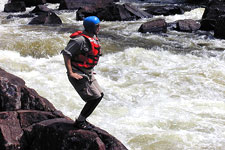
(155, 98)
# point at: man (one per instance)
(81, 55)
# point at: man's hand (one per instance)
(76, 76)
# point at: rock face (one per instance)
(158, 25)
(219, 31)
(29, 121)
(113, 12)
(213, 11)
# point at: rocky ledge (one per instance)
(30, 122)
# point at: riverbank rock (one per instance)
(213, 11)
(29, 121)
(15, 7)
(113, 12)
(75, 4)
(187, 25)
(154, 26)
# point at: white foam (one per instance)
(2, 4)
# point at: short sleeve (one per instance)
(74, 47)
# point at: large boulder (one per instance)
(31, 122)
(211, 14)
(154, 26)
(187, 25)
(113, 12)
(15, 7)
(49, 18)
(75, 4)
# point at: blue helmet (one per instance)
(90, 23)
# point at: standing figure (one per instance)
(81, 55)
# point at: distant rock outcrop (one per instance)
(166, 10)
(29, 121)
(15, 7)
(113, 12)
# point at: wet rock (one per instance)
(11, 134)
(187, 25)
(154, 26)
(49, 18)
(29, 3)
(37, 125)
(113, 12)
(219, 31)
(75, 4)
(166, 10)
(211, 14)
(40, 9)
(15, 7)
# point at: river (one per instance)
(162, 91)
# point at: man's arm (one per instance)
(67, 60)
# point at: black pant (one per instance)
(90, 106)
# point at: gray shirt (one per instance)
(76, 46)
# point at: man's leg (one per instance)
(89, 107)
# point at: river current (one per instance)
(162, 91)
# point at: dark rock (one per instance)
(211, 14)
(14, 95)
(15, 7)
(10, 95)
(188, 25)
(30, 117)
(158, 25)
(62, 132)
(113, 12)
(219, 31)
(21, 16)
(49, 18)
(53, 1)
(40, 9)
(11, 135)
(29, 3)
(198, 2)
(166, 10)
(75, 4)
(43, 127)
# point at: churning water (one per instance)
(162, 92)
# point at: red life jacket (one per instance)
(89, 59)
